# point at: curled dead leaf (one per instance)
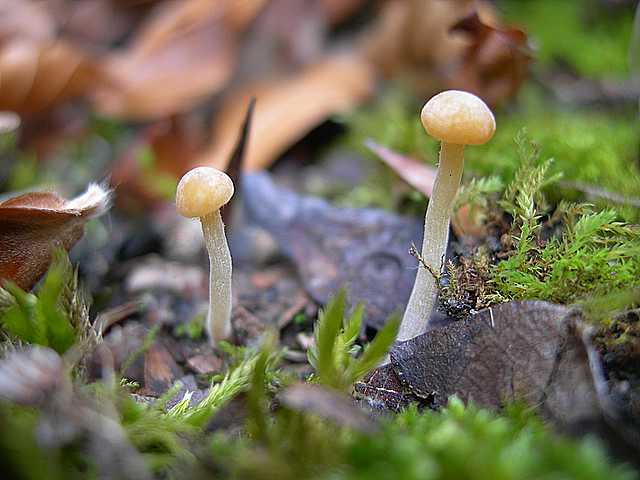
(35, 76)
(33, 224)
(288, 108)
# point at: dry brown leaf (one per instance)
(36, 76)
(495, 63)
(288, 108)
(184, 53)
(33, 224)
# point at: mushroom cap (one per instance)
(454, 116)
(202, 191)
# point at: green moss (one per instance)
(592, 39)
(473, 443)
(457, 443)
(193, 329)
(567, 256)
(594, 148)
(594, 256)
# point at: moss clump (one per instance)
(572, 31)
(455, 443)
(513, 446)
(594, 254)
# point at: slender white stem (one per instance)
(219, 316)
(434, 243)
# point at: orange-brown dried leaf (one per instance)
(288, 108)
(183, 54)
(34, 224)
(495, 63)
(37, 76)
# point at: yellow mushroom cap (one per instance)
(458, 117)
(202, 191)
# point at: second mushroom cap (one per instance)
(458, 117)
(202, 191)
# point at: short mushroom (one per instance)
(457, 119)
(201, 193)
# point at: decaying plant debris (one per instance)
(110, 366)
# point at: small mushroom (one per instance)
(201, 193)
(457, 119)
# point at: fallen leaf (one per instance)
(183, 54)
(535, 352)
(288, 108)
(363, 250)
(496, 62)
(33, 224)
(36, 76)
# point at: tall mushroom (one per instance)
(201, 193)
(457, 119)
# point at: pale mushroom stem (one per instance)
(434, 243)
(219, 316)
